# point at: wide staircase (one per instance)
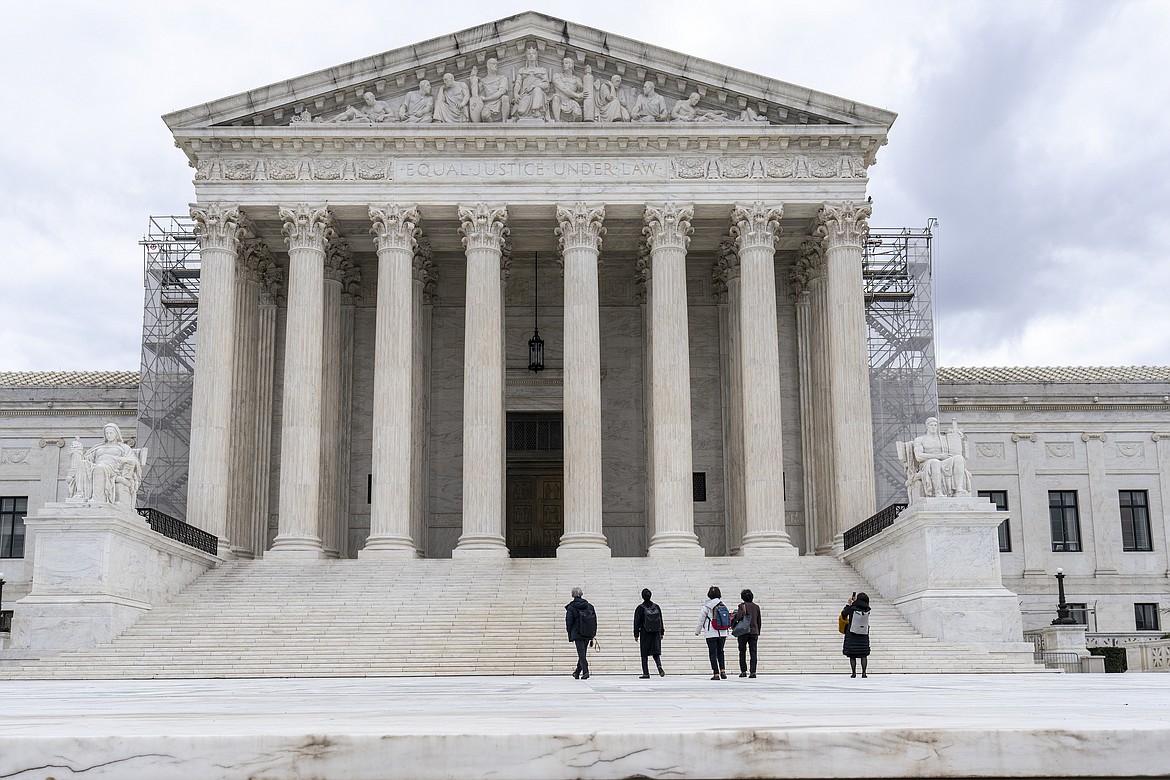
(274, 618)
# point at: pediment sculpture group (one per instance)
(108, 472)
(531, 94)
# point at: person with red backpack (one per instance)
(649, 628)
(715, 624)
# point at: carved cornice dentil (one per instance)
(726, 267)
(580, 226)
(808, 268)
(756, 225)
(307, 227)
(395, 226)
(668, 225)
(483, 226)
(843, 224)
(217, 227)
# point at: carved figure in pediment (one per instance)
(530, 99)
(451, 100)
(303, 117)
(568, 94)
(609, 101)
(650, 106)
(109, 472)
(371, 110)
(491, 99)
(419, 105)
(749, 115)
(936, 463)
(688, 111)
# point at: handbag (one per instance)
(841, 624)
(743, 625)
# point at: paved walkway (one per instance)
(607, 727)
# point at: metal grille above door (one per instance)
(534, 433)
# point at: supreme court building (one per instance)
(379, 241)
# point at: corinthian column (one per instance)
(484, 231)
(338, 261)
(244, 449)
(307, 231)
(395, 229)
(755, 229)
(580, 231)
(211, 404)
(667, 233)
(843, 228)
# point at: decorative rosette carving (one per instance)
(580, 226)
(218, 227)
(307, 227)
(483, 226)
(843, 224)
(395, 226)
(668, 225)
(756, 225)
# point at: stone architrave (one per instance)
(667, 230)
(307, 230)
(580, 231)
(208, 489)
(484, 231)
(755, 228)
(395, 233)
(843, 227)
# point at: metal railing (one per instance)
(180, 531)
(873, 526)
(1069, 662)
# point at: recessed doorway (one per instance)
(535, 511)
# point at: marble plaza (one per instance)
(795, 726)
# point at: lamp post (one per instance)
(2, 624)
(1063, 618)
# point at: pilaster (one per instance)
(1104, 510)
(1162, 447)
(1034, 531)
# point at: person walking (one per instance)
(856, 615)
(581, 625)
(748, 641)
(649, 628)
(714, 623)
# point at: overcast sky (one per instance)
(1036, 132)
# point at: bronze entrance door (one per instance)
(536, 512)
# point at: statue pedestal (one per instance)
(98, 568)
(939, 564)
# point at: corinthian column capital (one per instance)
(809, 266)
(668, 225)
(843, 224)
(756, 225)
(483, 226)
(579, 226)
(307, 227)
(395, 226)
(218, 226)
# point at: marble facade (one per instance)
(378, 235)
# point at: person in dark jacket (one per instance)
(649, 628)
(574, 612)
(748, 641)
(856, 645)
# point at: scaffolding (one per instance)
(896, 269)
(171, 281)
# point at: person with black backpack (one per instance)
(715, 624)
(649, 630)
(581, 623)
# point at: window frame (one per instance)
(1131, 522)
(1067, 543)
(1004, 530)
(1138, 619)
(10, 519)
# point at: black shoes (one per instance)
(585, 676)
(744, 674)
(643, 677)
(576, 675)
(660, 672)
(751, 676)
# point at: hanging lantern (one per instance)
(536, 343)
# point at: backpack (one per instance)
(860, 623)
(587, 622)
(720, 617)
(651, 618)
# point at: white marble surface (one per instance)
(795, 726)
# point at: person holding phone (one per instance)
(856, 645)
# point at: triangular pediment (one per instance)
(514, 71)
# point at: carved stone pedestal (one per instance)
(939, 564)
(1065, 639)
(98, 569)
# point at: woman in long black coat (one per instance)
(649, 628)
(856, 644)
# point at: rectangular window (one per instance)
(1135, 520)
(1066, 524)
(12, 512)
(699, 485)
(1145, 617)
(999, 498)
(1079, 613)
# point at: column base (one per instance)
(308, 547)
(480, 546)
(676, 544)
(584, 545)
(389, 547)
(768, 544)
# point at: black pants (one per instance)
(715, 652)
(582, 661)
(646, 666)
(745, 642)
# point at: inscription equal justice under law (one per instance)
(534, 169)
